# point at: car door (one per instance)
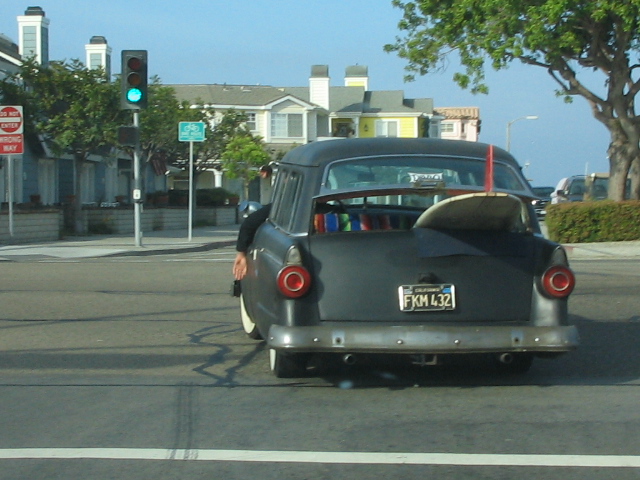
(267, 254)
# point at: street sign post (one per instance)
(191, 132)
(11, 128)
(11, 143)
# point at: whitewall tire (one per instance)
(249, 327)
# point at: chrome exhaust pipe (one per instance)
(505, 358)
(349, 359)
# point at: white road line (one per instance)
(370, 458)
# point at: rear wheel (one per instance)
(250, 328)
(514, 363)
(287, 365)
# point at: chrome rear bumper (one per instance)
(423, 339)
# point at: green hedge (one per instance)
(585, 222)
(212, 197)
(205, 197)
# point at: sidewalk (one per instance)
(585, 251)
(208, 238)
(153, 243)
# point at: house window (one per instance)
(251, 123)
(448, 127)
(286, 125)
(387, 128)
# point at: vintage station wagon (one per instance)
(423, 248)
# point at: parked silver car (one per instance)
(569, 189)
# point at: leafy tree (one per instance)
(223, 129)
(242, 157)
(74, 109)
(568, 38)
(227, 139)
(219, 131)
(159, 124)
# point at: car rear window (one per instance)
(407, 171)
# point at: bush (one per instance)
(205, 197)
(211, 197)
(585, 222)
(158, 198)
(178, 197)
(101, 228)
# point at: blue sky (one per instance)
(275, 42)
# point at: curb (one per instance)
(168, 251)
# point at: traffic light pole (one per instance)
(133, 96)
(137, 191)
(190, 190)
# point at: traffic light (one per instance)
(134, 92)
(128, 136)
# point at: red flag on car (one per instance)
(488, 172)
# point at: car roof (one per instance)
(319, 154)
(545, 190)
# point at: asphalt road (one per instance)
(137, 368)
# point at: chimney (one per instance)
(98, 54)
(33, 40)
(319, 86)
(357, 76)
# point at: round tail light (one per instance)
(558, 281)
(294, 281)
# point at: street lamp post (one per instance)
(527, 117)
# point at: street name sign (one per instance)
(11, 128)
(191, 131)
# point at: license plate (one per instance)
(427, 297)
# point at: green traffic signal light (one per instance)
(134, 80)
(134, 95)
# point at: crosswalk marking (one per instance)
(369, 458)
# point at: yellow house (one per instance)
(356, 111)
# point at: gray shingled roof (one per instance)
(341, 99)
(420, 104)
(250, 95)
(390, 101)
(346, 100)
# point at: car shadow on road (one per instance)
(608, 355)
